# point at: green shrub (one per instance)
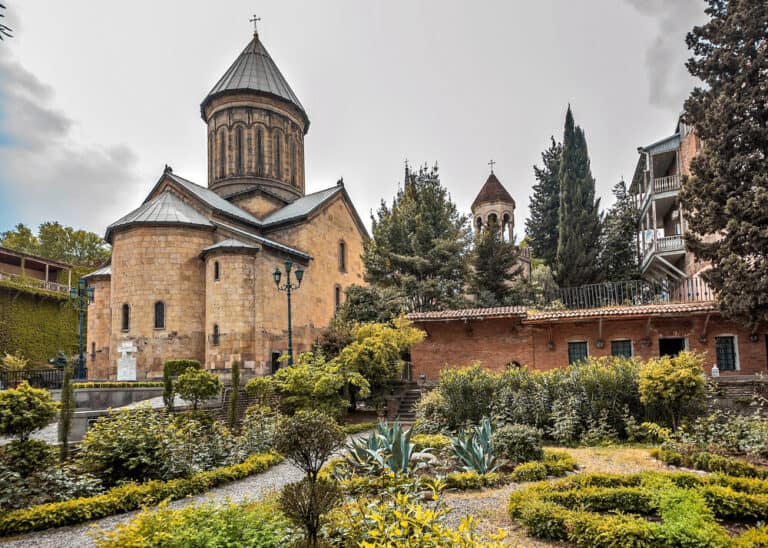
(260, 428)
(529, 471)
(673, 384)
(431, 413)
(305, 502)
(171, 370)
(262, 389)
(462, 481)
(436, 442)
(710, 462)
(27, 457)
(756, 537)
(468, 394)
(308, 439)
(558, 463)
(688, 521)
(128, 497)
(518, 443)
(196, 385)
(51, 484)
(24, 410)
(212, 526)
(356, 428)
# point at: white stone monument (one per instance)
(126, 364)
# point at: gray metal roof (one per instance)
(229, 243)
(265, 241)
(167, 208)
(254, 70)
(663, 145)
(103, 271)
(302, 207)
(214, 200)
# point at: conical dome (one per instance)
(493, 191)
(255, 71)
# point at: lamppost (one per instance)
(81, 296)
(288, 287)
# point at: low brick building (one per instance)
(510, 336)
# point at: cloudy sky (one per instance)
(96, 97)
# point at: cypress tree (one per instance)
(578, 242)
(494, 267)
(727, 194)
(66, 412)
(234, 397)
(541, 226)
(619, 247)
(420, 245)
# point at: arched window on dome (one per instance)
(506, 228)
(239, 150)
(222, 155)
(125, 320)
(259, 152)
(493, 218)
(278, 152)
(159, 315)
(479, 224)
(216, 271)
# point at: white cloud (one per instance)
(44, 171)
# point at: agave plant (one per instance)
(388, 447)
(365, 453)
(474, 448)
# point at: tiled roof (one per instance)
(254, 70)
(302, 207)
(214, 200)
(492, 191)
(550, 315)
(167, 208)
(103, 271)
(469, 313)
(642, 310)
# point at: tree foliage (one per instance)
(420, 245)
(25, 409)
(308, 439)
(5, 30)
(674, 384)
(618, 247)
(494, 267)
(727, 195)
(370, 303)
(543, 221)
(66, 413)
(58, 242)
(197, 385)
(578, 241)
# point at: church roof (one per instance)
(215, 201)
(167, 208)
(254, 70)
(303, 206)
(230, 244)
(492, 191)
(103, 271)
(266, 242)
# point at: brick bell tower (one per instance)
(256, 128)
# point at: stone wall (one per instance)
(99, 362)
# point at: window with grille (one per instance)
(621, 348)
(725, 348)
(577, 351)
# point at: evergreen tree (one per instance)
(494, 268)
(578, 241)
(420, 245)
(619, 244)
(727, 194)
(542, 224)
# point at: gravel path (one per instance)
(251, 488)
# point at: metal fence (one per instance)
(37, 378)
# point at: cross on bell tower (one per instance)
(255, 20)
(492, 163)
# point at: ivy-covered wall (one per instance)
(36, 323)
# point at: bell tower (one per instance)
(256, 127)
(494, 204)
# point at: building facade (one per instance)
(191, 274)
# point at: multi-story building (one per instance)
(662, 227)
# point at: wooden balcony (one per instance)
(666, 184)
(34, 283)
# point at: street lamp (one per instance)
(81, 296)
(288, 287)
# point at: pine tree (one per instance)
(542, 224)
(578, 242)
(494, 268)
(727, 194)
(420, 245)
(619, 246)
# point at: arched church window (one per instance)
(222, 155)
(239, 149)
(337, 297)
(492, 218)
(259, 152)
(278, 166)
(215, 338)
(216, 271)
(293, 162)
(479, 224)
(506, 227)
(125, 323)
(342, 256)
(159, 315)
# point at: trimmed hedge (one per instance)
(117, 384)
(437, 442)
(126, 498)
(710, 462)
(358, 427)
(582, 509)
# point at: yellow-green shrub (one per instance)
(437, 442)
(128, 497)
(710, 462)
(472, 480)
(529, 471)
(358, 427)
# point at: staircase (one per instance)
(405, 411)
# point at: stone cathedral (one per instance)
(191, 274)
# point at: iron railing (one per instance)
(34, 282)
(50, 379)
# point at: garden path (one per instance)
(253, 488)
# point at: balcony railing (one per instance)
(34, 282)
(666, 184)
(670, 243)
(37, 378)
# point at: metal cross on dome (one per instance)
(492, 163)
(255, 20)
